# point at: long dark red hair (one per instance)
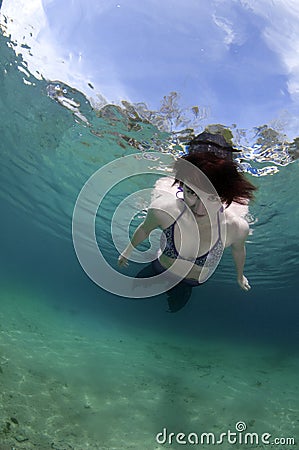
(230, 184)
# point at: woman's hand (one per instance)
(243, 283)
(122, 261)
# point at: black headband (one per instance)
(212, 143)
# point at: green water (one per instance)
(83, 369)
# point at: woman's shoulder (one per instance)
(237, 210)
(237, 228)
(164, 201)
(166, 209)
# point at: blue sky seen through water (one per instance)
(235, 59)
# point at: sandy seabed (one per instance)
(74, 382)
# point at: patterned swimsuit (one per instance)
(209, 259)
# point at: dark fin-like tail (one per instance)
(178, 296)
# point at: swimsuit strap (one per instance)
(181, 213)
(219, 240)
(170, 248)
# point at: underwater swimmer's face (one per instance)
(195, 203)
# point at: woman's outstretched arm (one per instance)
(239, 253)
(141, 233)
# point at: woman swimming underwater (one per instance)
(200, 223)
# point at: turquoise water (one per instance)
(81, 368)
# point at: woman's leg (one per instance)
(178, 296)
(147, 272)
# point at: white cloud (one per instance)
(30, 29)
(46, 58)
(146, 51)
(281, 34)
(226, 26)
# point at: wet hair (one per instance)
(230, 184)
